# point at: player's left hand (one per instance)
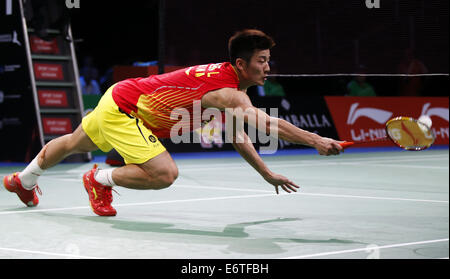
(278, 180)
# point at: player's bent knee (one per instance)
(167, 178)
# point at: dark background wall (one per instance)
(313, 36)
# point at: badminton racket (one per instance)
(406, 132)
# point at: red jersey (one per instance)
(153, 99)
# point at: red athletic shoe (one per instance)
(12, 183)
(100, 196)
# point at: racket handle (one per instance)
(346, 144)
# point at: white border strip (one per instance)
(360, 74)
(47, 253)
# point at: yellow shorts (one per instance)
(109, 128)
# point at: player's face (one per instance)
(258, 67)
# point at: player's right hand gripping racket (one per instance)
(406, 132)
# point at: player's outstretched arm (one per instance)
(227, 99)
(231, 98)
(244, 146)
(323, 145)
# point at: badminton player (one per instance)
(134, 113)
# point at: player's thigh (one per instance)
(109, 127)
(131, 139)
(81, 142)
(162, 166)
(76, 142)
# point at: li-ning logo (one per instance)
(441, 112)
(370, 4)
(70, 4)
(378, 115)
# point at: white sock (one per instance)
(30, 175)
(105, 177)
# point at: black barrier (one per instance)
(304, 106)
(308, 113)
(17, 112)
(302, 103)
(383, 85)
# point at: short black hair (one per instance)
(244, 43)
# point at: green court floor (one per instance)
(355, 205)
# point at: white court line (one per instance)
(200, 199)
(369, 197)
(136, 204)
(269, 193)
(337, 158)
(366, 249)
(293, 163)
(311, 163)
(315, 163)
(403, 166)
(33, 210)
(318, 162)
(296, 193)
(363, 164)
(310, 194)
(47, 253)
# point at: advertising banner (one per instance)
(45, 71)
(52, 98)
(57, 126)
(364, 118)
(308, 113)
(39, 45)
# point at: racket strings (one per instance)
(409, 134)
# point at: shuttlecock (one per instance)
(425, 122)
